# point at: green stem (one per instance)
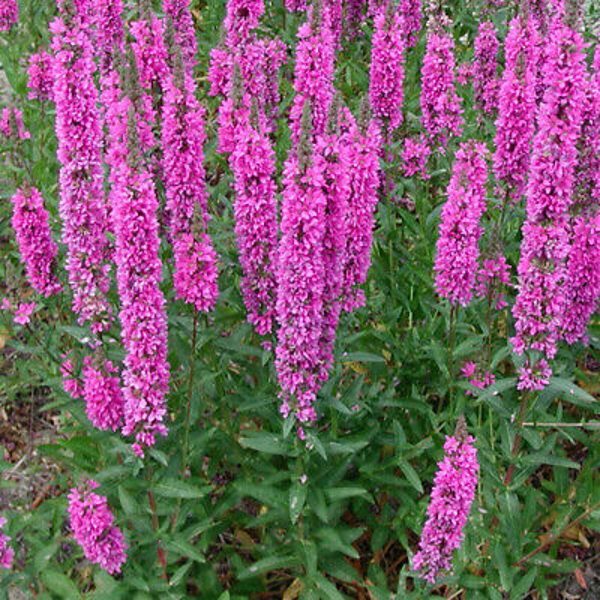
(451, 344)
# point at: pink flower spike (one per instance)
(7, 554)
(92, 523)
(451, 498)
(39, 71)
(23, 313)
(9, 14)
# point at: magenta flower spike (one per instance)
(541, 300)
(485, 72)
(386, 88)
(515, 125)
(364, 146)
(39, 71)
(241, 18)
(109, 31)
(314, 71)
(183, 25)
(440, 104)
(9, 14)
(34, 237)
(11, 124)
(139, 272)
(92, 523)
(451, 499)
(7, 554)
(457, 257)
(301, 279)
(256, 225)
(195, 275)
(82, 207)
(411, 15)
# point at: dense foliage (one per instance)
(298, 302)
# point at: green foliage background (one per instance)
(229, 515)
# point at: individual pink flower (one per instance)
(364, 146)
(183, 26)
(493, 275)
(256, 225)
(486, 68)
(40, 81)
(82, 207)
(541, 300)
(102, 393)
(34, 237)
(515, 125)
(534, 377)
(241, 18)
(386, 88)
(314, 72)
(139, 273)
(456, 261)
(9, 14)
(71, 384)
(301, 279)
(183, 137)
(415, 155)
(92, 523)
(11, 123)
(23, 312)
(440, 104)
(451, 498)
(7, 554)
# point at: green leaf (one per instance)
(60, 584)
(411, 475)
(569, 392)
(523, 585)
(173, 488)
(343, 493)
(298, 492)
(365, 357)
(264, 442)
(185, 549)
(128, 502)
(270, 563)
(541, 458)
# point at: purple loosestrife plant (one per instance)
(110, 31)
(451, 498)
(440, 104)
(241, 18)
(9, 14)
(139, 269)
(541, 299)
(253, 165)
(11, 124)
(515, 125)
(195, 276)
(456, 261)
(387, 68)
(7, 554)
(300, 278)
(485, 71)
(314, 71)
(82, 207)
(364, 146)
(92, 523)
(34, 237)
(411, 14)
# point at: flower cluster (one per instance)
(314, 71)
(9, 14)
(39, 74)
(440, 104)
(534, 377)
(451, 498)
(92, 522)
(102, 393)
(253, 166)
(82, 208)
(411, 14)
(387, 68)
(150, 51)
(541, 299)
(492, 276)
(486, 68)
(7, 554)
(477, 378)
(38, 249)
(364, 146)
(515, 125)
(456, 261)
(241, 18)
(415, 155)
(109, 31)
(11, 123)
(183, 25)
